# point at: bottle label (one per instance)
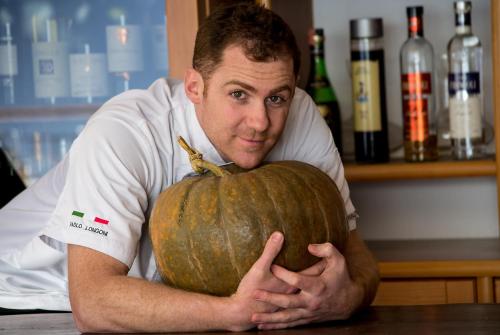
(324, 110)
(465, 105)
(416, 93)
(468, 82)
(50, 69)
(124, 45)
(8, 55)
(465, 116)
(366, 96)
(88, 75)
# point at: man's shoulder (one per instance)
(300, 96)
(156, 102)
(302, 105)
(302, 112)
(304, 130)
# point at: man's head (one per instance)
(262, 34)
(245, 68)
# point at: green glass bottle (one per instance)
(321, 90)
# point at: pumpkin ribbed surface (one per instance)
(207, 231)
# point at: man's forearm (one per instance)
(131, 304)
(104, 299)
(362, 268)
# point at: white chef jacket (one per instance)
(101, 194)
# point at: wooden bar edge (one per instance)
(439, 269)
(431, 170)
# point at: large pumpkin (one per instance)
(208, 230)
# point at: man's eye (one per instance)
(276, 100)
(239, 95)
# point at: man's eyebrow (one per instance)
(281, 88)
(242, 84)
(253, 89)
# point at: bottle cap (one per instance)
(462, 6)
(366, 28)
(315, 36)
(414, 11)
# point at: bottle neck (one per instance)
(415, 26)
(463, 23)
(318, 65)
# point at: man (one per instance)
(238, 104)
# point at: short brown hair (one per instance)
(263, 35)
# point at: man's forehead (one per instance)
(236, 55)
(238, 69)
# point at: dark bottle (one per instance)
(11, 183)
(368, 91)
(417, 73)
(321, 90)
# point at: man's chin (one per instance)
(248, 162)
(248, 165)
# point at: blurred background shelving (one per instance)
(60, 60)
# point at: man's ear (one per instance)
(194, 86)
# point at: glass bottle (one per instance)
(50, 59)
(124, 49)
(159, 48)
(88, 64)
(321, 90)
(443, 121)
(417, 91)
(8, 65)
(368, 91)
(464, 85)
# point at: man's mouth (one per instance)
(252, 142)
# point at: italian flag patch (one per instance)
(96, 219)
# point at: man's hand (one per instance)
(326, 292)
(259, 277)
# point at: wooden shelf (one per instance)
(437, 271)
(44, 112)
(437, 258)
(398, 170)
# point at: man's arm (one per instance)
(363, 268)
(104, 299)
(332, 289)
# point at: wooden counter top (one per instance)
(408, 320)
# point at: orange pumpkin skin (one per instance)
(207, 231)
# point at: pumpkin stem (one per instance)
(197, 163)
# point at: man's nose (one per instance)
(258, 118)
